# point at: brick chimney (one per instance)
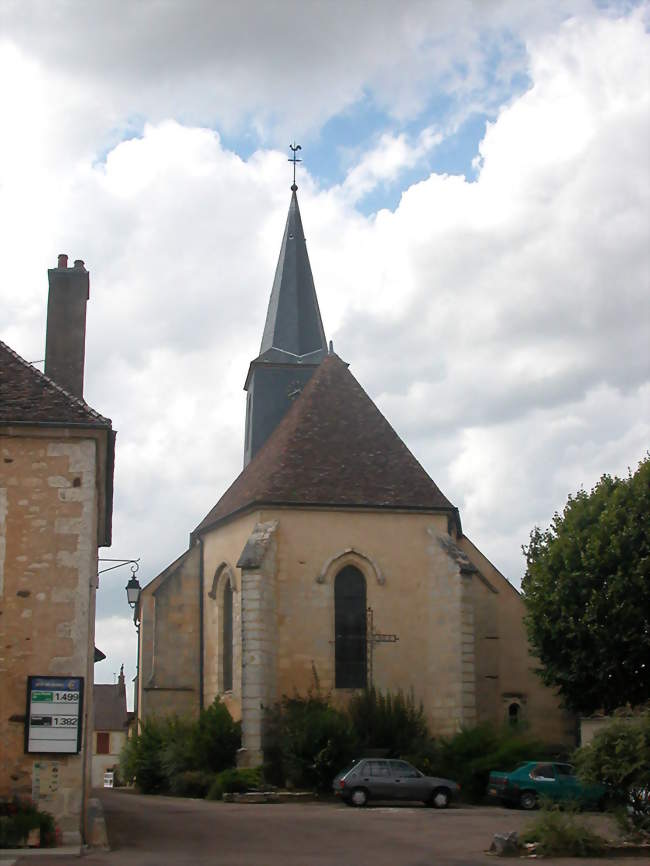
(65, 340)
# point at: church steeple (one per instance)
(293, 323)
(293, 342)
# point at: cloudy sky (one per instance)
(475, 194)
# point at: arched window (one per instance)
(513, 714)
(350, 629)
(226, 637)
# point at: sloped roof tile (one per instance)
(332, 448)
(28, 396)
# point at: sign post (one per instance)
(53, 719)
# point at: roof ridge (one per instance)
(76, 401)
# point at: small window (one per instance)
(514, 711)
(103, 743)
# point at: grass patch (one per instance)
(560, 833)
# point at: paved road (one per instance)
(169, 831)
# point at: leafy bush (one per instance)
(390, 722)
(308, 741)
(141, 757)
(177, 753)
(215, 739)
(18, 817)
(470, 755)
(559, 833)
(191, 783)
(619, 757)
(235, 781)
(161, 756)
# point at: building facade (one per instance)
(110, 729)
(334, 559)
(56, 493)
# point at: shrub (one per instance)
(18, 817)
(470, 755)
(559, 833)
(176, 756)
(191, 783)
(389, 722)
(141, 758)
(159, 757)
(215, 739)
(308, 741)
(235, 781)
(619, 757)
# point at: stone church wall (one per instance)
(222, 548)
(517, 681)
(169, 648)
(48, 580)
(412, 588)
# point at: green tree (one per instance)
(587, 593)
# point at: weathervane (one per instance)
(294, 159)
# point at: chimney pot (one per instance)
(79, 263)
(62, 261)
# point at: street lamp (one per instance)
(133, 590)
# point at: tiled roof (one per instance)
(28, 396)
(332, 448)
(110, 707)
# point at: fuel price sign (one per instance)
(54, 706)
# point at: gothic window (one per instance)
(226, 637)
(350, 629)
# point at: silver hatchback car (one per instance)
(383, 779)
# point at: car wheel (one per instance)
(359, 797)
(528, 800)
(440, 798)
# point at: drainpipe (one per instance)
(201, 641)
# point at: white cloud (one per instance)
(384, 163)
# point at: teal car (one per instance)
(533, 780)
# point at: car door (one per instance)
(568, 786)
(380, 783)
(409, 783)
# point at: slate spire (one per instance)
(293, 342)
(293, 323)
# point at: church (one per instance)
(332, 559)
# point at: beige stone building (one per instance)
(110, 728)
(332, 557)
(56, 490)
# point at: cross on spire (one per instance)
(294, 159)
